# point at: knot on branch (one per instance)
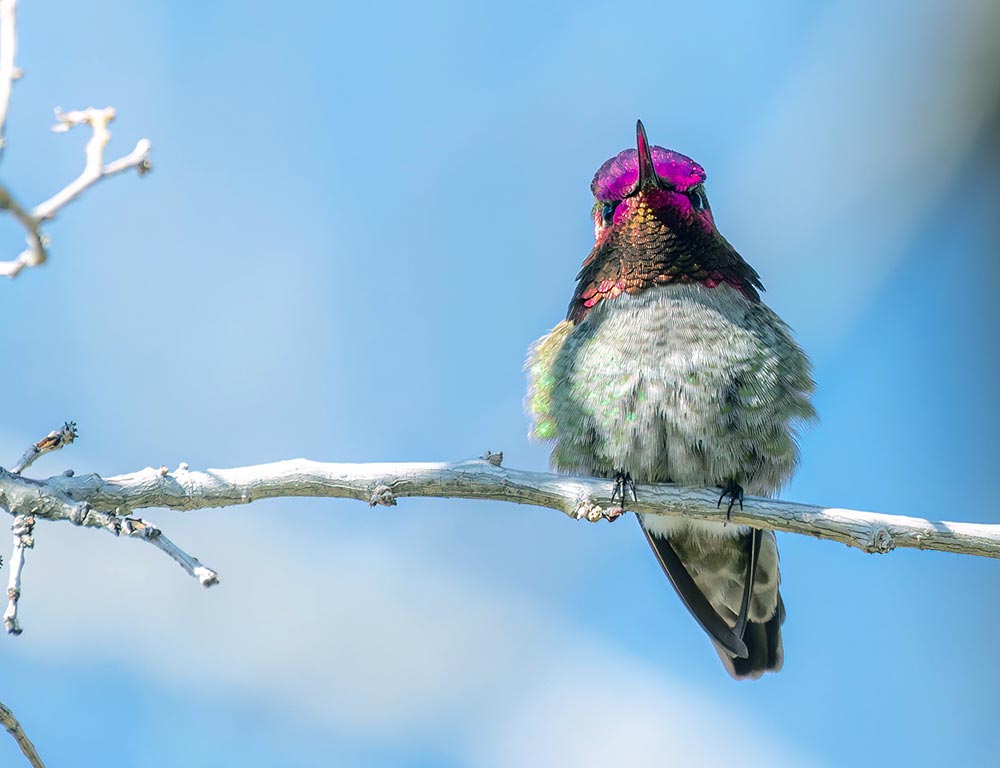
(22, 528)
(593, 513)
(382, 496)
(496, 459)
(78, 513)
(206, 576)
(880, 541)
(135, 526)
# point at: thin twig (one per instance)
(8, 69)
(22, 495)
(53, 441)
(62, 508)
(14, 729)
(22, 528)
(35, 254)
(139, 528)
(94, 170)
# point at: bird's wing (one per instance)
(540, 366)
(693, 597)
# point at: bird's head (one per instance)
(645, 183)
(653, 227)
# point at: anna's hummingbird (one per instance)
(669, 368)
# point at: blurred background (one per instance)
(359, 219)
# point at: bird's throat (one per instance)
(648, 253)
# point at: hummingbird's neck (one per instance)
(632, 259)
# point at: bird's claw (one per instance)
(734, 491)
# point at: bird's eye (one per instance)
(697, 198)
(608, 212)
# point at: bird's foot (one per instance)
(623, 484)
(734, 491)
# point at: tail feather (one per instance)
(753, 552)
(730, 586)
(693, 598)
(763, 641)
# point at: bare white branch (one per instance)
(94, 170)
(95, 502)
(8, 50)
(82, 498)
(13, 267)
(33, 495)
(136, 527)
(35, 254)
(14, 729)
(22, 528)
(44, 501)
(23, 525)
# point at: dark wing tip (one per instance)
(693, 598)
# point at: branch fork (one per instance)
(94, 170)
(30, 500)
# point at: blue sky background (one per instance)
(358, 221)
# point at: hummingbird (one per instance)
(670, 369)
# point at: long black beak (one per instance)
(647, 173)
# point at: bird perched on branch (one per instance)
(669, 368)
